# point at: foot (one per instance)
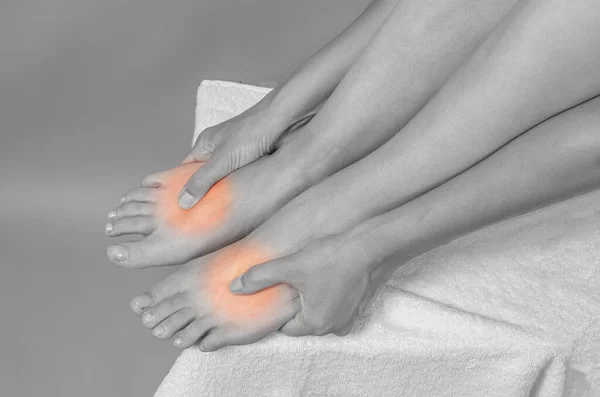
(195, 302)
(230, 210)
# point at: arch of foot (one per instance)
(208, 213)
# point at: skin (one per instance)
(553, 162)
(406, 62)
(445, 139)
(336, 276)
(172, 236)
(256, 132)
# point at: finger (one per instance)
(204, 146)
(265, 275)
(200, 183)
(197, 155)
(345, 330)
(297, 326)
(220, 338)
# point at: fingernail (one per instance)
(236, 285)
(120, 253)
(158, 331)
(109, 227)
(147, 318)
(112, 214)
(186, 200)
(178, 342)
(123, 199)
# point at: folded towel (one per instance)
(511, 310)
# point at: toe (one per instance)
(141, 194)
(190, 334)
(132, 209)
(154, 250)
(140, 303)
(117, 253)
(143, 225)
(154, 180)
(224, 336)
(172, 285)
(174, 323)
(164, 309)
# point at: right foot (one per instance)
(230, 210)
(195, 301)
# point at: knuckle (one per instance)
(251, 276)
(194, 184)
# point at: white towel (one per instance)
(511, 310)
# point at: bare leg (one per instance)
(418, 47)
(520, 76)
(446, 138)
(553, 161)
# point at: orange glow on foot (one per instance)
(209, 212)
(240, 309)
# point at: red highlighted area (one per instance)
(208, 213)
(224, 267)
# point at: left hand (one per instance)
(334, 277)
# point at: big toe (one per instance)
(151, 251)
(173, 285)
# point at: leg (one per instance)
(446, 137)
(495, 96)
(448, 30)
(555, 160)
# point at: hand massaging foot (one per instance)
(229, 211)
(196, 301)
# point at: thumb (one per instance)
(202, 180)
(263, 276)
(197, 154)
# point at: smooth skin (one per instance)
(468, 120)
(553, 162)
(256, 132)
(407, 61)
(412, 54)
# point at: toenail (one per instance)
(112, 214)
(120, 253)
(158, 331)
(147, 318)
(142, 306)
(109, 227)
(123, 199)
(178, 342)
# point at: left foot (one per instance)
(231, 209)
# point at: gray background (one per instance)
(94, 94)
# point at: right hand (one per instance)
(230, 145)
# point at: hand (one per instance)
(233, 144)
(334, 277)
